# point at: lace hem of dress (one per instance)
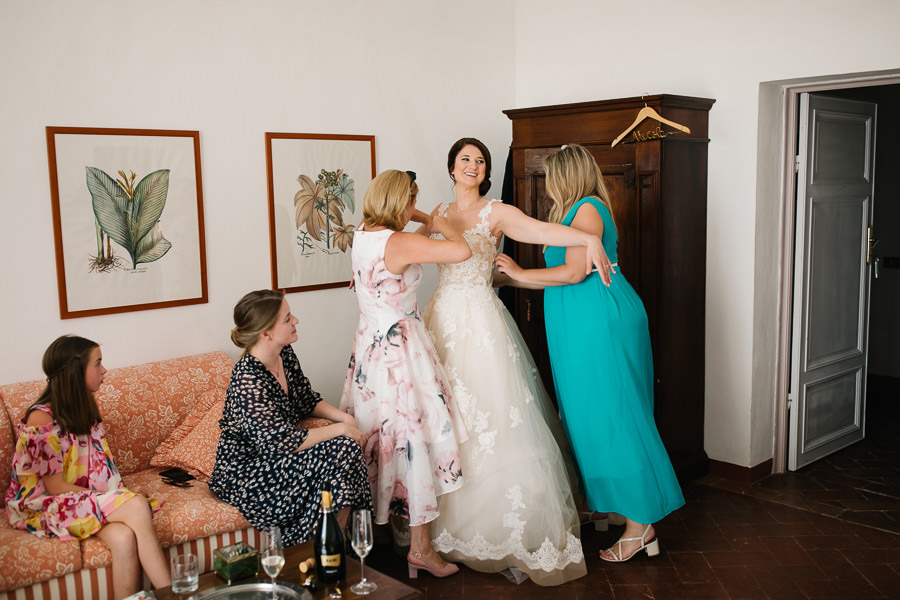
(546, 558)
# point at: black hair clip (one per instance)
(181, 484)
(412, 175)
(176, 477)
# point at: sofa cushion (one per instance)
(7, 448)
(26, 558)
(16, 397)
(192, 446)
(186, 514)
(313, 422)
(141, 405)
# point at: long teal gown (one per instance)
(602, 364)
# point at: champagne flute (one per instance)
(272, 554)
(361, 541)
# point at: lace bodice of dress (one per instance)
(477, 270)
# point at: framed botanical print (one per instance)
(127, 219)
(317, 183)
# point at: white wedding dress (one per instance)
(515, 510)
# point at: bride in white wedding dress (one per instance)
(515, 512)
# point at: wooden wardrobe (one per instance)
(656, 177)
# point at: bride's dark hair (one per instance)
(454, 152)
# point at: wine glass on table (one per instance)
(272, 554)
(361, 540)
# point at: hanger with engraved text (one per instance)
(645, 113)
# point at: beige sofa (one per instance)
(162, 414)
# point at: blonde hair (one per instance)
(387, 198)
(255, 314)
(573, 174)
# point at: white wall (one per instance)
(415, 75)
(570, 51)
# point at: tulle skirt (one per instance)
(516, 509)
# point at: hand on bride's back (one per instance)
(441, 225)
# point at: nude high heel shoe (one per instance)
(651, 547)
(417, 562)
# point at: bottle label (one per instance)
(330, 560)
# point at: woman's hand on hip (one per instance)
(597, 258)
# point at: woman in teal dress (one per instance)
(599, 345)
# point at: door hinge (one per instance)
(797, 164)
(790, 402)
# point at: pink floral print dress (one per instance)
(84, 460)
(398, 391)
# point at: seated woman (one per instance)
(268, 467)
(65, 483)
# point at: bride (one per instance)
(516, 512)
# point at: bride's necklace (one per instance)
(459, 210)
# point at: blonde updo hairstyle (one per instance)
(255, 314)
(573, 174)
(387, 198)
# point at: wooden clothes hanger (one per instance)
(645, 113)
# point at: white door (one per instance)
(836, 165)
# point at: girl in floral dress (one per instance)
(396, 387)
(64, 481)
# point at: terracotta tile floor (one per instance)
(830, 531)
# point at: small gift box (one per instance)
(236, 561)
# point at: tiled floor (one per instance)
(860, 484)
(829, 531)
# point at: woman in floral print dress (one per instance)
(395, 386)
(65, 483)
(267, 466)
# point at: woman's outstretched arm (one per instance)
(522, 228)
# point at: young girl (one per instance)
(396, 387)
(64, 481)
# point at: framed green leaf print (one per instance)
(127, 219)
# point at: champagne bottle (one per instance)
(331, 560)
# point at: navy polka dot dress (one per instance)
(257, 469)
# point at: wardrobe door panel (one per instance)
(532, 301)
(657, 185)
(619, 180)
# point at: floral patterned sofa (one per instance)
(157, 415)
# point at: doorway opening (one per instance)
(775, 237)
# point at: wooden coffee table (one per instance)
(388, 588)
